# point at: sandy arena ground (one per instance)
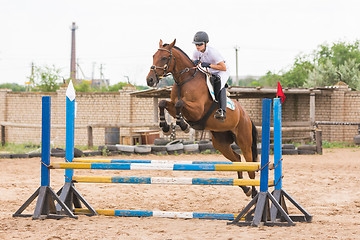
(327, 186)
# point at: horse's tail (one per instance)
(254, 143)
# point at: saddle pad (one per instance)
(229, 103)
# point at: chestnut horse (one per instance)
(190, 100)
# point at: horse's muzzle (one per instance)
(151, 80)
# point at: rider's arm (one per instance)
(220, 66)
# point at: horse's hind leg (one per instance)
(222, 141)
(247, 141)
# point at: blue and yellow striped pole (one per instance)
(246, 166)
(90, 160)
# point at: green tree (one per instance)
(82, 87)
(340, 62)
(270, 79)
(116, 87)
(321, 68)
(298, 74)
(86, 87)
(45, 79)
(140, 87)
(13, 86)
(328, 74)
(339, 53)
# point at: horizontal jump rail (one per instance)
(289, 129)
(246, 166)
(27, 125)
(146, 161)
(168, 180)
(163, 214)
(94, 125)
(336, 123)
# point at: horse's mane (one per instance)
(177, 48)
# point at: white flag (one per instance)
(70, 91)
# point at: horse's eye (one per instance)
(163, 58)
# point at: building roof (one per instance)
(235, 92)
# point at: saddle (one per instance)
(210, 78)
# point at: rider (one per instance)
(210, 58)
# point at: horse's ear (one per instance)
(172, 44)
(160, 43)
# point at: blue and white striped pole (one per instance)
(265, 145)
(70, 129)
(277, 144)
(161, 214)
(45, 140)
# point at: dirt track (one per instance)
(327, 186)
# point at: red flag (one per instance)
(280, 93)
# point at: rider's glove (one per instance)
(205, 65)
(196, 62)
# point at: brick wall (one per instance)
(121, 107)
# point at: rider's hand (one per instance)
(205, 65)
(196, 62)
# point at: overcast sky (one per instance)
(123, 35)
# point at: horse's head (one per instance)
(163, 64)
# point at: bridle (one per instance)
(165, 68)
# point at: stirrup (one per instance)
(220, 114)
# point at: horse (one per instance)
(191, 101)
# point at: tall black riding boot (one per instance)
(217, 86)
(220, 114)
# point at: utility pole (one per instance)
(73, 55)
(28, 84)
(237, 70)
(128, 79)
(93, 71)
(101, 72)
(102, 76)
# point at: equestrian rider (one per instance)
(210, 58)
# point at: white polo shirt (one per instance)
(212, 56)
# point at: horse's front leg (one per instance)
(169, 106)
(179, 120)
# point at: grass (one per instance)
(327, 144)
(19, 148)
(30, 147)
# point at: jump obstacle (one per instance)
(69, 199)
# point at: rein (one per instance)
(165, 68)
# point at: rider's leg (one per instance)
(221, 95)
(217, 86)
(221, 112)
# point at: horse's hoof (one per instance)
(187, 130)
(254, 193)
(167, 133)
(249, 193)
